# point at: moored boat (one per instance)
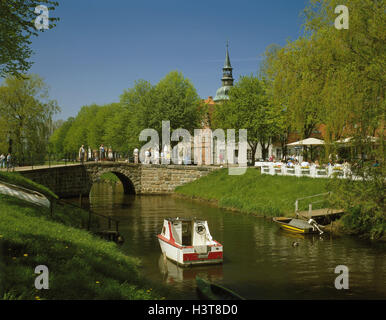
(211, 291)
(297, 225)
(189, 242)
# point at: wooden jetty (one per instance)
(311, 214)
(323, 215)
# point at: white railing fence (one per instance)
(312, 171)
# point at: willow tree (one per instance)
(354, 103)
(297, 83)
(26, 113)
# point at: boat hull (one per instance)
(187, 256)
(303, 228)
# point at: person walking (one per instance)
(135, 153)
(81, 153)
(147, 156)
(2, 160)
(101, 152)
(156, 157)
(9, 161)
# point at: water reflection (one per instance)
(172, 273)
(260, 261)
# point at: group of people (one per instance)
(98, 155)
(293, 160)
(5, 161)
(152, 156)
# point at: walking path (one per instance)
(27, 168)
(24, 194)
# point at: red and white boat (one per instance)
(188, 242)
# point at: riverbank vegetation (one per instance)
(81, 265)
(266, 195)
(263, 195)
(363, 201)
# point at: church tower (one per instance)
(226, 80)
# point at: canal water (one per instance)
(260, 261)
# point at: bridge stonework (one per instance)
(73, 180)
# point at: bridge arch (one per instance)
(128, 179)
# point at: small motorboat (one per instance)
(188, 242)
(298, 225)
(211, 291)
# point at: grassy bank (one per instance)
(252, 192)
(266, 195)
(81, 266)
(17, 179)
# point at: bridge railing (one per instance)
(67, 158)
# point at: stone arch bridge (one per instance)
(74, 180)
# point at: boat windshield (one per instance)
(186, 233)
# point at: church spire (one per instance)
(226, 80)
(227, 63)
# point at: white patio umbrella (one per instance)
(307, 142)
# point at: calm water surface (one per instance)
(259, 259)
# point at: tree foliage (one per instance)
(118, 125)
(336, 78)
(248, 108)
(26, 116)
(16, 30)
(173, 99)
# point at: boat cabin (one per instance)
(188, 242)
(187, 232)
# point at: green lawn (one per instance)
(252, 192)
(81, 265)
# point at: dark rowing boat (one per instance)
(211, 291)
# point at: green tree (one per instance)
(174, 98)
(79, 131)
(97, 126)
(16, 30)
(248, 108)
(116, 131)
(138, 103)
(283, 119)
(26, 116)
(347, 68)
(354, 90)
(58, 137)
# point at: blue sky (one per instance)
(99, 48)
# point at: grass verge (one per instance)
(81, 266)
(253, 192)
(17, 179)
